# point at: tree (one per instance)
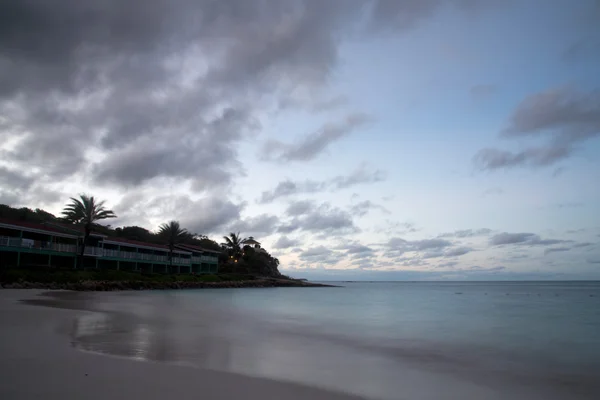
(233, 244)
(173, 234)
(86, 211)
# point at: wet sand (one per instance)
(37, 361)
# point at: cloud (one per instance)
(510, 238)
(285, 243)
(323, 219)
(364, 207)
(524, 239)
(208, 215)
(457, 251)
(398, 246)
(556, 250)
(585, 244)
(320, 255)
(466, 233)
(296, 208)
(311, 146)
(565, 116)
(260, 225)
(362, 175)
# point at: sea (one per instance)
(380, 340)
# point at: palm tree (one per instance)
(173, 234)
(234, 244)
(86, 211)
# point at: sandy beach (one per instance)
(38, 362)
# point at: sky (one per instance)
(355, 139)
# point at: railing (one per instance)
(6, 241)
(93, 251)
(209, 259)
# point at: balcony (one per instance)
(130, 255)
(92, 251)
(6, 241)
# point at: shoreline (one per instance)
(38, 362)
(105, 286)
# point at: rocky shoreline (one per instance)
(145, 285)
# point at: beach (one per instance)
(38, 362)
(382, 342)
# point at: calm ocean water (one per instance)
(383, 340)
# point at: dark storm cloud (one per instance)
(138, 80)
(565, 116)
(362, 175)
(313, 145)
(524, 239)
(120, 93)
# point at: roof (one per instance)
(70, 227)
(136, 243)
(196, 248)
(250, 240)
(35, 227)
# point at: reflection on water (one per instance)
(209, 330)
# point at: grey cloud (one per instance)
(209, 215)
(361, 209)
(490, 159)
(320, 255)
(430, 244)
(297, 208)
(357, 248)
(326, 219)
(585, 244)
(510, 238)
(447, 264)
(260, 225)
(362, 175)
(523, 239)
(314, 144)
(285, 243)
(458, 251)
(434, 247)
(466, 233)
(556, 250)
(565, 116)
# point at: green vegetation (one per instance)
(86, 211)
(172, 234)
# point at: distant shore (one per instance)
(110, 280)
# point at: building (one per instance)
(254, 244)
(54, 244)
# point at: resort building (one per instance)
(53, 244)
